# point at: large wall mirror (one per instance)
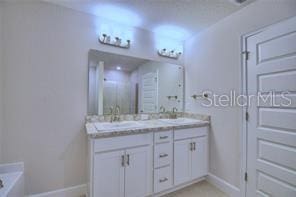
(134, 85)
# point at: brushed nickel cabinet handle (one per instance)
(163, 137)
(1, 184)
(122, 160)
(163, 155)
(194, 146)
(163, 180)
(128, 160)
(191, 146)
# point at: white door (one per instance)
(199, 158)
(138, 172)
(149, 96)
(271, 148)
(182, 161)
(109, 174)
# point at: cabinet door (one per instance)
(138, 172)
(182, 161)
(199, 157)
(109, 174)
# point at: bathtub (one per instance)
(13, 180)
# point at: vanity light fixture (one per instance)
(169, 53)
(114, 41)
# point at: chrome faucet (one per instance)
(162, 109)
(117, 113)
(173, 114)
(111, 113)
(175, 109)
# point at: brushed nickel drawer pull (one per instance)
(191, 146)
(1, 184)
(163, 137)
(163, 155)
(194, 146)
(122, 160)
(128, 160)
(163, 180)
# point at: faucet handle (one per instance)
(162, 109)
(175, 109)
(117, 109)
(111, 110)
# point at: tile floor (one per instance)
(201, 189)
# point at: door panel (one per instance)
(271, 128)
(149, 94)
(283, 119)
(109, 174)
(138, 172)
(199, 158)
(277, 47)
(271, 186)
(279, 81)
(278, 154)
(182, 161)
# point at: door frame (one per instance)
(243, 124)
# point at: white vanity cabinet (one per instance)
(138, 176)
(109, 174)
(121, 166)
(147, 164)
(190, 154)
(163, 161)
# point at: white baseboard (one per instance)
(224, 186)
(76, 191)
(81, 190)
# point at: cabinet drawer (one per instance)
(112, 143)
(162, 179)
(190, 133)
(164, 136)
(163, 154)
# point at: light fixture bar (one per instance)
(116, 42)
(169, 54)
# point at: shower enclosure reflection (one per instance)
(133, 85)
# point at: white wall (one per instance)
(213, 62)
(45, 91)
(1, 84)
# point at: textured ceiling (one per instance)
(111, 61)
(181, 17)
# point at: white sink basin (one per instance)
(155, 123)
(180, 121)
(111, 126)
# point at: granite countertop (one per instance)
(145, 124)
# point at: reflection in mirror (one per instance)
(133, 85)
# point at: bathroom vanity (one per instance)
(146, 157)
(141, 143)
